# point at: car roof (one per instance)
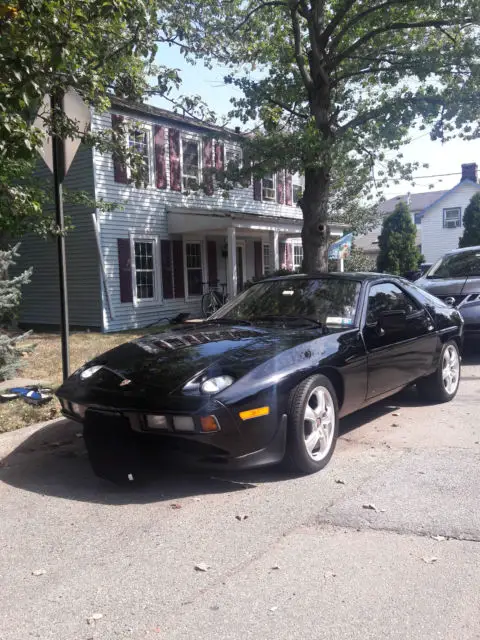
(464, 250)
(359, 276)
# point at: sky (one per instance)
(442, 158)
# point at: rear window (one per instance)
(457, 265)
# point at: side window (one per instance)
(388, 297)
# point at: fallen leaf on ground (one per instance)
(395, 424)
(395, 414)
(94, 617)
(275, 567)
(39, 572)
(340, 481)
(370, 506)
(330, 574)
(429, 560)
(202, 566)
(439, 538)
(242, 516)
(176, 505)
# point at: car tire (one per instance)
(312, 426)
(114, 454)
(442, 385)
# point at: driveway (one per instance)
(384, 543)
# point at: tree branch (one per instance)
(307, 78)
(363, 14)
(394, 26)
(339, 16)
(272, 3)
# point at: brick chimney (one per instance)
(470, 172)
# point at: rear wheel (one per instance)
(313, 425)
(442, 385)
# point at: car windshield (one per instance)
(457, 265)
(309, 301)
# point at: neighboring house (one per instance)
(438, 216)
(149, 259)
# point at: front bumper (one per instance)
(237, 444)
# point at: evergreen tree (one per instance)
(471, 223)
(398, 251)
(10, 296)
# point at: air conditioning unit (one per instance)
(450, 224)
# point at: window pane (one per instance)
(268, 187)
(297, 255)
(190, 159)
(144, 270)
(193, 251)
(138, 141)
(194, 257)
(194, 277)
(387, 297)
(266, 259)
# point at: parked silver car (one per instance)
(455, 279)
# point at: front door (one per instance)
(396, 358)
(240, 267)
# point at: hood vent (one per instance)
(171, 343)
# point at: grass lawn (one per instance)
(44, 364)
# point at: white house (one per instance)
(151, 258)
(438, 216)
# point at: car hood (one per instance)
(450, 287)
(166, 362)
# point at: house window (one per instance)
(266, 259)
(452, 218)
(193, 253)
(417, 217)
(297, 188)
(144, 270)
(138, 142)
(233, 156)
(190, 163)
(297, 256)
(268, 187)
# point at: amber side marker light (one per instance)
(254, 413)
(209, 423)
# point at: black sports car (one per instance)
(268, 376)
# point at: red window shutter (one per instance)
(288, 189)
(281, 187)
(257, 189)
(174, 144)
(219, 156)
(119, 167)
(257, 246)
(178, 276)
(207, 165)
(167, 269)
(125, 270)
(212, 261)
(160, 168)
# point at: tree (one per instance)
(10, 294)
(359, 260)
(471, 223)
(332, 87)
(397, 242)
(48, 46)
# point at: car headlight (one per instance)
(90, 371)
(217, 384)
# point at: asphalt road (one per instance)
(287, 557)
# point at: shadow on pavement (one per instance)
(54, 462)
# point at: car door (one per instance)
(396, 356)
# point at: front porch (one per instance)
(234, 248)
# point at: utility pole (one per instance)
(58, 152)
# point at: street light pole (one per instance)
(58, 176)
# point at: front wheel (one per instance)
(313, 425)
(442, 385)
(210, 304)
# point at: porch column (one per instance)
(232, 262)
(274, 250)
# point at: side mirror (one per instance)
(390, 321)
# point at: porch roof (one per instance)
(183, 220)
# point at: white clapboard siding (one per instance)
(142, 211)
(436, 239)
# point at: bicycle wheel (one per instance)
(210, 304)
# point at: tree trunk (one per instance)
(315, 231)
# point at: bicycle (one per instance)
(213, 299)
